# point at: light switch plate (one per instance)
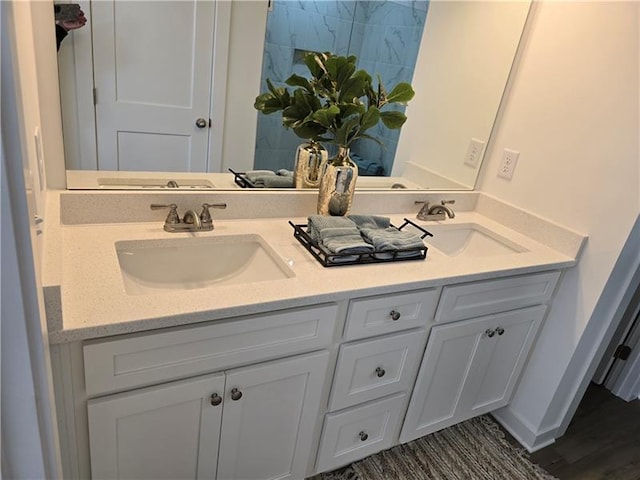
(508, 163)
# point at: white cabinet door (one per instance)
(169, 431)
(153, 70)
(469, 368)
(270, 411)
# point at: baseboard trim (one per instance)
(522, 431)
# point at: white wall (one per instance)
(572, 113)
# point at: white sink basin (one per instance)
(151, 266)
(470, 239)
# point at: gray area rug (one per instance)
(472, 450)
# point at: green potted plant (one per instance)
(337, 104)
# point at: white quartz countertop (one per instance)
(93, 301)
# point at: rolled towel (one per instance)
(391, 239)
(273, 181)
(370, 221)
(253, 174)
(283, 172)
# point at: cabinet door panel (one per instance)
(449, 356)
(164, 432)
(469, 369)
(504, 359)
(267, 432)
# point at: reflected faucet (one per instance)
(436, 212)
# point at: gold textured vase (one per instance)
(337, 184)
(310, 160)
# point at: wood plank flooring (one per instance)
(602, 441)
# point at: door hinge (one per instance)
(270, 5)
(95, 96)
(622, 352)
(210, 123)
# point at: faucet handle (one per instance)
(172, 217)
(205, 216)
(445, 202)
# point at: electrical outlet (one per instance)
(508, 164)
(474, 152)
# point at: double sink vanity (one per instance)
(233, 354)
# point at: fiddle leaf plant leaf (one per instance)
(370, 119)
(393, 119)
(401, 94)
(299, 81)
(326, 115)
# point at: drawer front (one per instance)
(358, 432)
(370, 369)
(123, 363)
(390, 313)
(493, 296)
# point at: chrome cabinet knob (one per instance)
(216, 399)
(395, 315)
(499, 330)
(490, 333)
(236, 394)
(201, 123)
(363, 436)
(380, 372)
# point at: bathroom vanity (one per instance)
(299, 374)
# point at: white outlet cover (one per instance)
(474, 152)
(508, 163)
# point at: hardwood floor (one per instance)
(602, 442)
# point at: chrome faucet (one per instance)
(191, 221)
(436, 212)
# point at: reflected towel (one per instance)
(391, 238)
(253, 174)
(273, 181)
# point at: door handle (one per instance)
(201, 123)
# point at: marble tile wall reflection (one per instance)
(384, 35)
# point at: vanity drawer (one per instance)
(145, 359)
(358, 432)
(493, 296)
(370, 369)
(390, 313)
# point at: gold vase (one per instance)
(337, 184)
(310, 160)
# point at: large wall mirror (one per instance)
(167, 87)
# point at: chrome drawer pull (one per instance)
(380, 372)
(363, 436)
(216, 399)
(490, 333)
(499, 330)
(395, 315)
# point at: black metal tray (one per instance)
(329, 259)
(240, 178)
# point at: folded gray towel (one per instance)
(317, 223)
(283, 172)
(347, 244)
(391, 238)
(370, 221)
(253, 174)
(337, 234)
(273, 181)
